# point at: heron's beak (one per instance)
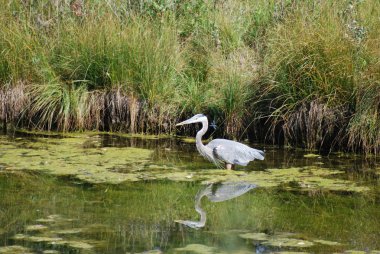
(188, 121)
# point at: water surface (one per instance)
(99, 193)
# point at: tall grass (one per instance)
(310, 75)
(234, 77)
(364, 126)
(305, 71)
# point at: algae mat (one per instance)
(83, 157)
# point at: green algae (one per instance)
(49, 238)
(285, 239)
(191, 140)
(188, 140)
(311, 155)
(54, 219)
(197, 248)
(40, 239)
(325, 242)
(288, 242)
(50, 252)
(255, 236)
(77, 244)
(81, 156)
(148, 252)
(67, 156)
(37, 227)
(15, 249)
(281, 239)
(290, 252)
(68, 231)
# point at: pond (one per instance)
(108, 193)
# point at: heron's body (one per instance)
(223, 151)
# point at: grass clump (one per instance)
(234, 76)
(310, 76)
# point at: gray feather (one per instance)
(234, 152)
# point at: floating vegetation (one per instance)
(288, 242)
(138, 217)
(68, 231)
(50, 252)
(290, 252)
(42, 234)
(325, 242)
(284, 239)
(74, 156)
(77, 244)
(15, 249)
(39, 239)
(54, 219)
(197, 248)
(37, 227)
(255, 236)
(311, 155)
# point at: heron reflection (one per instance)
(216, 193)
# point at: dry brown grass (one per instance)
(314, 125)
(13, 101)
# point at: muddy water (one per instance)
(98, 193)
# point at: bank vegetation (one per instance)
(301, 73)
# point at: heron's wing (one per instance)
(234, 152)
(229, 190)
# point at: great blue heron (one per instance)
(223, 151)
(216, 193)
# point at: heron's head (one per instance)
(192, 224)
(195, 119)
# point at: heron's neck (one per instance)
(201, 212)
(200, 134)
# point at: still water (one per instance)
(99, 193)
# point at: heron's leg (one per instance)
(229, 166)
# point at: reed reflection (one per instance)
(216, 192)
